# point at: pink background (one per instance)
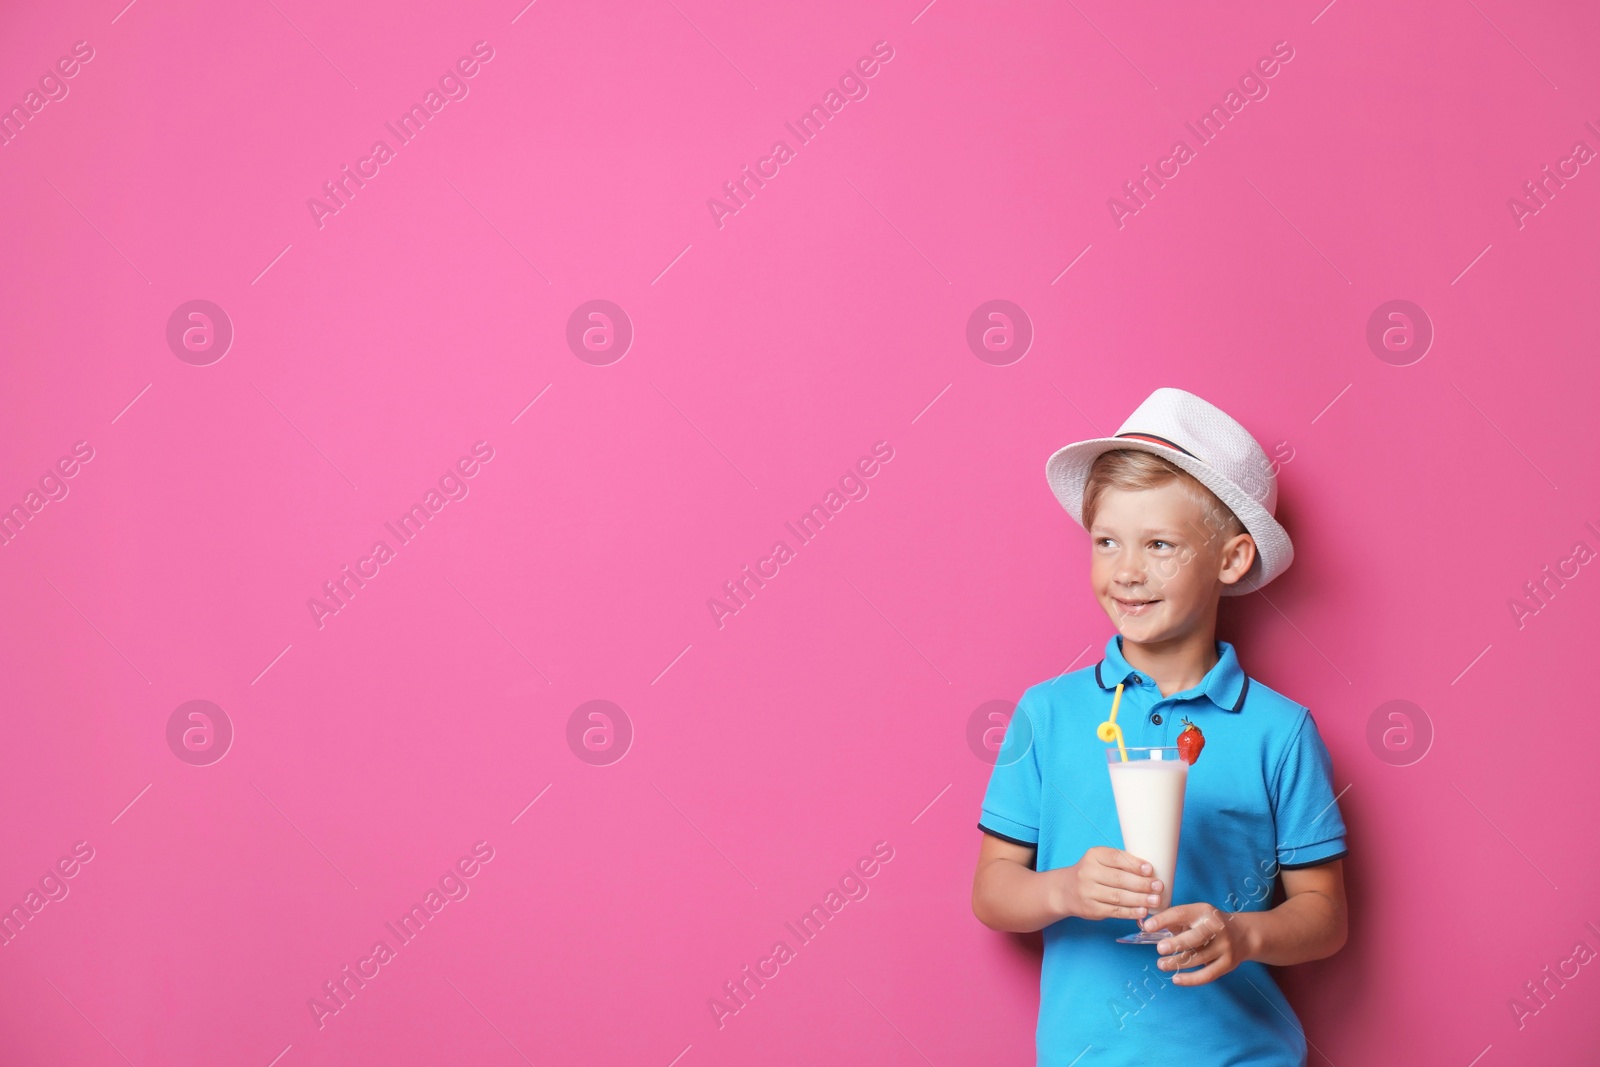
(769, 355)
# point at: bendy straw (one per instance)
(1109, 730)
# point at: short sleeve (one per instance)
(1011, 803)
(1305, 807)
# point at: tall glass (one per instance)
(1148, 787)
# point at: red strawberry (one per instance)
(1190, 742)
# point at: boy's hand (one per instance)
(1106, 883)
(1203, 937)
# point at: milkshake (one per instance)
(1148, 787)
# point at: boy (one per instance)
(1172, 528)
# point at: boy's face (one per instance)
(1156, 566)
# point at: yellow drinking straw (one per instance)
(1109, 730)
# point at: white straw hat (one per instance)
(1204, 440)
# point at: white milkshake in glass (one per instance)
(1148, 787)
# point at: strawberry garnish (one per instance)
(1190, 742)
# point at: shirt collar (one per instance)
(1225, 684)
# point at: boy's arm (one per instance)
(1008, 894)
(1310, 924)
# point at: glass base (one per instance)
(1144, 938)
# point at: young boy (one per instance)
(1179, 510)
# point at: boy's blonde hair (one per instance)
(1135, 469)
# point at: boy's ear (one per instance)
(1238, 553)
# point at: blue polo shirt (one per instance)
(1260, 798)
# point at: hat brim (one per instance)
(1067, 471)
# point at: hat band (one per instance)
(1162, 441)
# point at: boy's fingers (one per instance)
(1188, 955)
(1187, 941)
(1188, 916)
(1174, 918)
(1209, 973)
(1195, 934)
(1119, 879)
(1122, 898)
(1125, 861)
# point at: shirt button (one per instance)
(1136, 680)
(1156, 718)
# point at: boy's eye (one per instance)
(1167, 543)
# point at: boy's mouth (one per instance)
(1134, 607)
